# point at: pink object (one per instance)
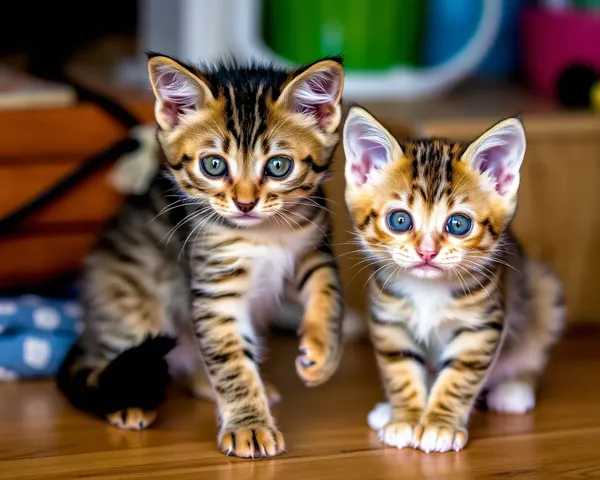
(555, 40)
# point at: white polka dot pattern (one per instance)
(36, 352)
(8, 308)
(46, 318)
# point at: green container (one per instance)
(587, 4)
(370, 34)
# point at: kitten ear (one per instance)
(317, 92)
(177, 90)
(498, 154)
(368, 146)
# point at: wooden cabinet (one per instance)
(38, 148)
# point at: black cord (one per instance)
(9, 222)
(91, 165)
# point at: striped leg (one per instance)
(228, 346)
(465, 364)
(404, 375)
(320, 292)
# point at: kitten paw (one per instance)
(515, 396)
(380, 416)
(439, 438)
(132, 418)
(397, 434)
(316, 363)
(252, 442)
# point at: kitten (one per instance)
(247, 149)
(451, 289)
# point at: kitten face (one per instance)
(250, 142)
(432, 207)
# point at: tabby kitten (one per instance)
(451, 290)
(247, 149)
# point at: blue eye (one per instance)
(459, 225)
(399, 221)
(213, 166)
(278, 167)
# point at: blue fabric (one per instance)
(35, 335)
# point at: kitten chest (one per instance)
(430, 305)
(272, 258)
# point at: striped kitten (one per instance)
(247, 149)
(451, 290)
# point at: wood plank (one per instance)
(82, 130)
(39, 257)
(325, 428)
(93, 200)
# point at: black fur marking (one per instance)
(487, 224)
(201, 293)
(475, 365)
(230, 116)
(465, 292)
(401, 355)
(212, 358)
(371, 216)
(255, 442)
(115, 248)
(449, 170)
(309, 273)
(315, 168)
(415, 168)
(249, 355)
(479, 328)
(226, 243)
(137, 378)
(233, 441)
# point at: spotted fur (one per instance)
(472, 308)
(207, 259)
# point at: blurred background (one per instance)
(74, 88)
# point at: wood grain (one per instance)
(84, 129)
(38, 257)
(41, 437)
(93, 200)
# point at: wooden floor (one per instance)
(41, 437)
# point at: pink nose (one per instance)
(245, 207)
(427, 255)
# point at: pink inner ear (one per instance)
(172, 112)
(361, 169)
(177, 93)
(316, 96)
(368, 151)
(496, 162)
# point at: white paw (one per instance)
(439, 438)
(511, 397)
(398, 434)
(380, 416)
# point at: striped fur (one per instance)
(185, 260)
(485, 318)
